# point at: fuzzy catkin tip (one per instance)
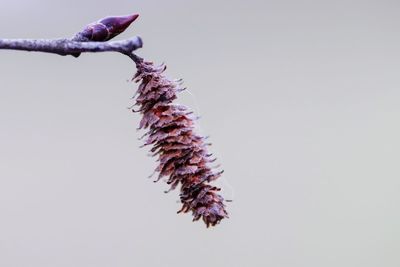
(182, 154)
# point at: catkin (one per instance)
(182, 154)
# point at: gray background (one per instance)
(301, 99)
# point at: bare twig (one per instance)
(91, 39)
(69, 47)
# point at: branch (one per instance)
(65, 47)
(91, 39)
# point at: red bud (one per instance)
(107, 28)
(116, 25)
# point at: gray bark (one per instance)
(70, 47)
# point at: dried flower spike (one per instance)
(182, 154)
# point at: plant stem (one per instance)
(65, 47)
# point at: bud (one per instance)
(106, 28)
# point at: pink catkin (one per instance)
(182, 154)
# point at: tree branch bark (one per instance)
(65, 47)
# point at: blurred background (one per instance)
(300, 98)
